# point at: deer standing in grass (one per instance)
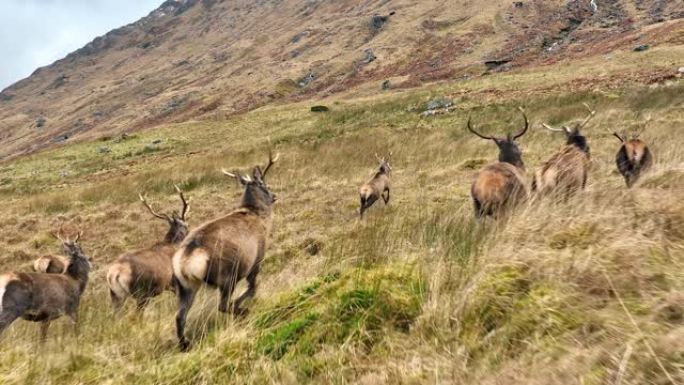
(500, 186)
(223, 251)
(567, 171)
(633, 158)
(40, 297)
(146, 273)
(376, 187)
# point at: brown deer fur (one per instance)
(40, 297)
(146, 273)
(376, 187)
(633, 159)
(499, 186)
(567, 171)
(53, 264)
(223, 251)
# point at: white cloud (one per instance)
(35, 33)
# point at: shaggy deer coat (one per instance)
(40, 297)
(500, 186)
(146, 273)
(221, 252)
(567, 171)
(376, 187)
(633, 159)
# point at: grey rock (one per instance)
(386, 85)
(641, 48)
(104, 150)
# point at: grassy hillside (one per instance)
(193, 59)
(587, 291)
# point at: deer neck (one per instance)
(79, 269)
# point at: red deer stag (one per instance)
(501, 185)
(223, 251)
(146, 273)
(633, 158)
(40, 297)
(376, 187)
(567, 171)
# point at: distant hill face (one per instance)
(201, 59)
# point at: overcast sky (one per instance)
(35, 33)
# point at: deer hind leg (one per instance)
(249, 293)
(43, 330)
(186, 297)
(142, 302)
(7, 317)
(117, 302)
(226, 292)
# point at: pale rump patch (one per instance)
(119, 278)
(41, 265)
(5, 279)
(365, 191)
(191, 269)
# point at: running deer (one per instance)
(633, 158)
(146, 273)
(223, 251)
(567, 171)
(499, 186)
(376, 187)
(40, 297)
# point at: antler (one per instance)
(57, 234)
(239, 178)
(564, 129)
(471, 129)
(619, 137)
(160, 216)
(592, 113)
(186, 206)
(271, 160)
(527, 125)
(78, 236)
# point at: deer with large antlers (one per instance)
(567, 171)
(146, 273)
(501, 185)
(377, 187)
(39, 297)
(223, 251)
(633, 158)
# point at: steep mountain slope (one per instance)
(193, 59)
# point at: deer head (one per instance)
(573, 134)
(509, 151)
(257, 195)
(384, 167)
(178, 227)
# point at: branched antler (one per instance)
(160, 216)
(186, 207)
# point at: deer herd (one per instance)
(221, 252)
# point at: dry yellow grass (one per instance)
(581, 292)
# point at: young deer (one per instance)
(376, 187)
(53, 264)
(566, 171)
(40, 297)
(146, 273)
(633, 158)
(499, 186)
(221, 252)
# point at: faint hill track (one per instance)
(206, 59)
